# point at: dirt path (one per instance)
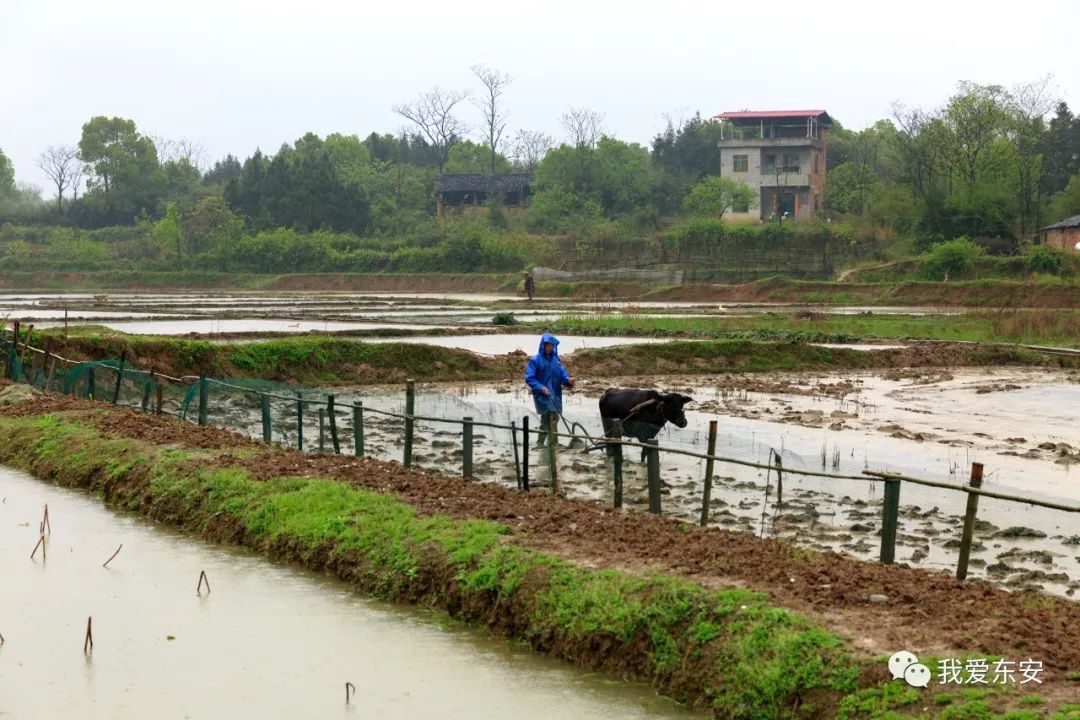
(925, 612)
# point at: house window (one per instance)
(791, 162)
(770, 163)
(741, 163)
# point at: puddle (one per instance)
(267, 641)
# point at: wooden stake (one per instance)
(202, 577)
(106, 563)
(45, 521)
(706, 496)
(348, 686)
(969, 521)
(89, 641)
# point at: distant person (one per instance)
(545, 375)
(530, 285)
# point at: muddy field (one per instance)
(879, 608)
(930, 424)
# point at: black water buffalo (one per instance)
(643, 412)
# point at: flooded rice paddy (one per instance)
(267, 641)
(222, 313)
(1020, 424)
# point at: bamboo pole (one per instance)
(410, 407)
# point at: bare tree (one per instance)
(530, 147)
(61, 163)
(170, 150)
(433, 114)
(584, 127)
(495, 84)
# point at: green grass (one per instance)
(1060, 327)
(752, 658)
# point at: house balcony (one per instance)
(791, 179)
(777, 142)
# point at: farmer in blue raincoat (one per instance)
(546, 376)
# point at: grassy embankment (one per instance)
(991, 293)
(326, 360)
(727, 650)
(1045, 327)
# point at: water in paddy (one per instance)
(266, 642)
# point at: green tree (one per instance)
(850, 187)
(210, 225)
(124, 167)
(1067, 202)
(7, 178)
(715, 195)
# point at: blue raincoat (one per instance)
(545, 372)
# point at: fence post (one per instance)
(299, 421)
(358, 428)
(410, 405)
(45, 363)
(51, 376)
(779, 481)
(26, 348)
(90, 389)
(517, 458)
(119, 377)
(202, 400)
(322, 429)
(466, 447)
(616, 461)
(525, 453)
(653, 459)
(264, 408)
(969, 520)
(332, 414)
(148, 390)
(553, 455)
(706, 497)
(890, 510)
(160, 399)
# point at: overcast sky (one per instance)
(239, 74)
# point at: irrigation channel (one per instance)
(928, 425)
(258, 640)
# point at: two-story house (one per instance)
(782, 154)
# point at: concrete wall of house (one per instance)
(806, 185)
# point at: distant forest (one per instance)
(991, 163)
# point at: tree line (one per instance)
(990, 163)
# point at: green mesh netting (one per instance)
(13, 369)
(97, 380)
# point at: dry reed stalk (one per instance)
(106, 563)
(202, 577)
(89, 636)
(40, 544)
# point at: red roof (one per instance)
(766, 114)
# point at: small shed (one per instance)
(457, 189)
(1064, 235)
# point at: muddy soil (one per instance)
(926, 610)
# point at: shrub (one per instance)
(1043, 259)
(955, 258)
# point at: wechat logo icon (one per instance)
(905, 665)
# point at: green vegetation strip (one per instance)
(1059, 327)
(726, 649)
